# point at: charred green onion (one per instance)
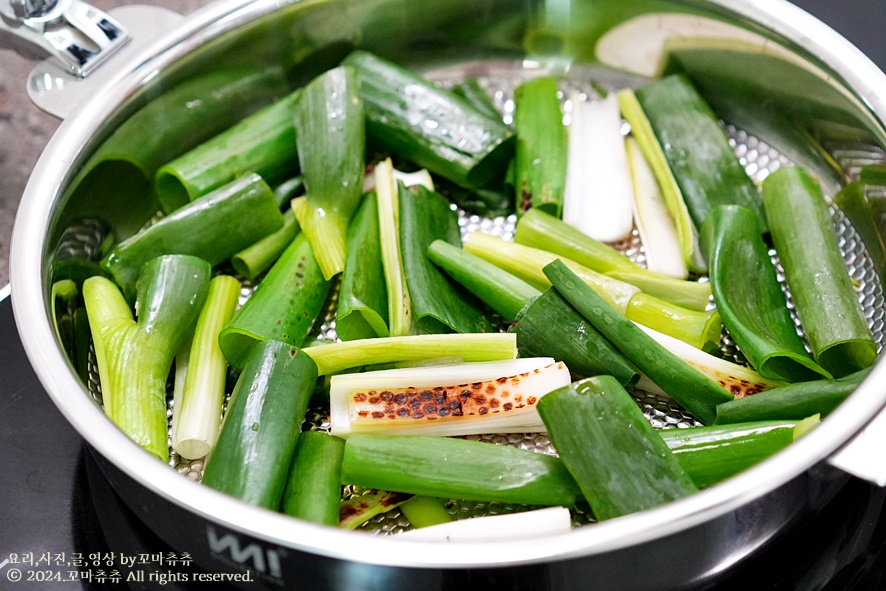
(450, 399)
(541, 147)
(794, 401)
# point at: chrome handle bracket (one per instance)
(77, 35)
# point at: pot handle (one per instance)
(78, 38)
(864, 455)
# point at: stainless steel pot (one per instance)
(691, 542)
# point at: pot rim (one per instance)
(35, 328)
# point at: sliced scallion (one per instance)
(656, 226)
(598, 197)
(198, 405)
(437, 305)
(330, 135)
(336, 357)
(459, 399)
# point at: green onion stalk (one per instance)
(134, 356)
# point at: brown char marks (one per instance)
(479, 398)
(740, 388)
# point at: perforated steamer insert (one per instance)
(500, 79)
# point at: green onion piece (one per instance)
(198, 405)
(631, 468)
(693, 327)
(456, 469)
(437, 305)
(693, 390)
(313, 489)
(738, 380)
(750, 299)
(599, 195)
(526, 263)
(449, 400)
(263, 143)
(330, 135)
(359, 509)
(541, 147)
(337, 357)
(283, 307)
(549, 326)
(261, 426)
(540, 230)
(255, 259)
(425, 511)
(473, 92)
(496, 288)
(399, 303)
(699, 329)
(641, 130)
(134, 358)
(816, 274)
(697, 149)
(655, 224)
(794, 401)
(438, 130)
(712, 454)
(363, 300)
(853, 202)
(213, 228)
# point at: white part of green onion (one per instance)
(736, 379)
(399, 304)
(200, 381)
(598, 197)
(657, 229)
(447, 400)
(491, 528)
